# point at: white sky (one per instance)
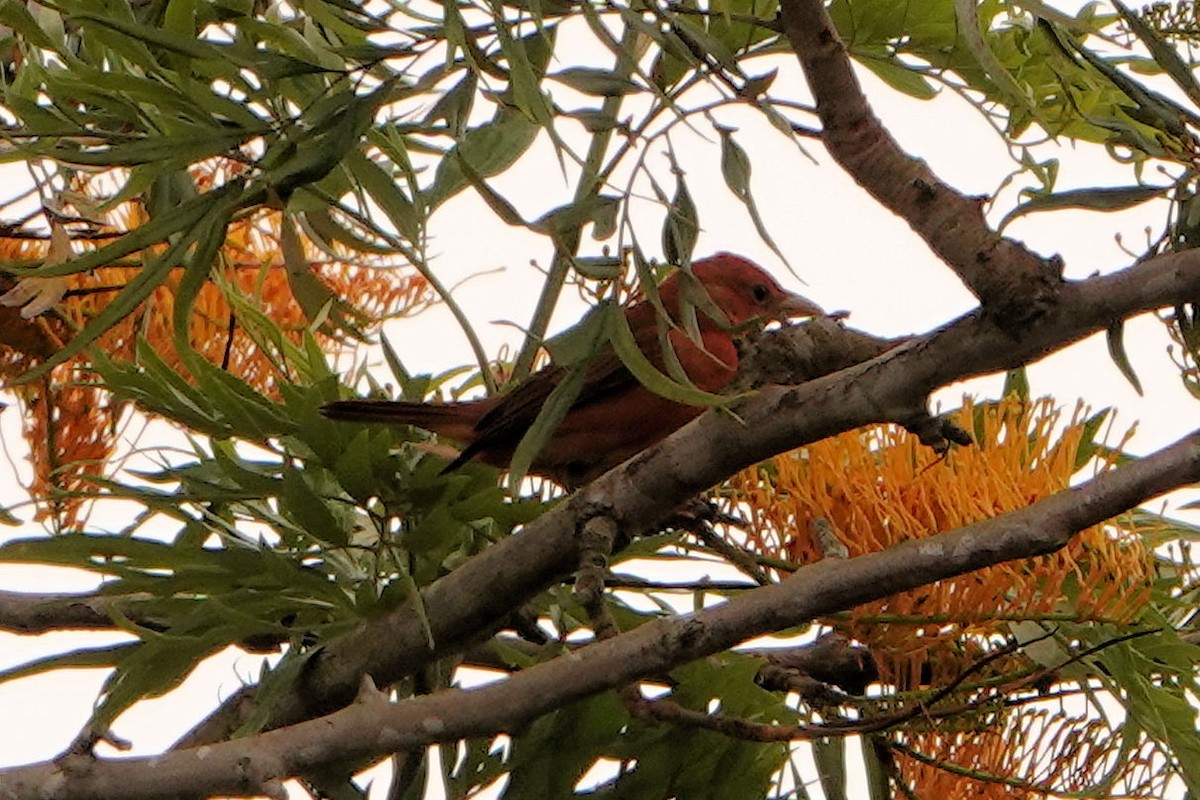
(852, 255)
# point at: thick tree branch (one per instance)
(1008, 279)
(470, 604)
(372, 726)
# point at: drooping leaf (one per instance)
(735, 167)
(1116, 350)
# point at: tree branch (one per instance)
(30, 613)
(1008, 278)
(372, 726)
(471, 603)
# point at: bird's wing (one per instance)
(514, 414)
(504, 425)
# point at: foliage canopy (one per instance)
(227, 196)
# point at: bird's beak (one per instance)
(795, 305)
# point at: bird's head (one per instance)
(741, 289)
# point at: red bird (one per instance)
(613, 416)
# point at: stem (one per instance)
(567, 244)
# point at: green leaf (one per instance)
(500, 206)
(1155, 674)
(309, 510)
(153, 668)
(631, 355)
(598, 82)
(579, 341)
(549, 759)
(219, 203)
(1087, 442)
(896, 75)
(681, 228)
(324, 229)
(978, 41)
(83, 658)
(1016, 383)
(8, 518)
(877, 772)
(1165, 56)
(15, 15)
(314, 297)
(403, 213)
(336, 128)
(1116, 351)
(830, 755)
(598, 209)
(1099, 198)
(735, 168)
(489, 148)
(454, 106)
(548, 418)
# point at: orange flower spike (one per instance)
(881, 487)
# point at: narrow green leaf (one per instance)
(735, 165)
(1116, 351)
(153, 668)
(8, 518)
(681, 228)
(220, 202)
(548, 418)
(976, 38)
(579, 341)
(735, 168)
(454, 106)
(209, 236)
(311, 159)
(15, 15)
(1098, 198)
(324, 229)
(597, 82)
(877, 772)
(152, 232)
(1087, 442)
(597, 209)
(403, 213)
(158, 37)
(700, 39)
(312, 295)
(403, 377)
(830, 755)
(503, 209)
(1153, 108)
(901, 78)
(308, 510)
(636, 362)
(84, 658)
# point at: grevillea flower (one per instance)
(69, 421)
(877, 487)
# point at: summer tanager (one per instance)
(614, 416)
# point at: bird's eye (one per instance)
(760, 292)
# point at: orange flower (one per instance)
(879, 486)
(69, 422)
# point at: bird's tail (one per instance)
(452, 420)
